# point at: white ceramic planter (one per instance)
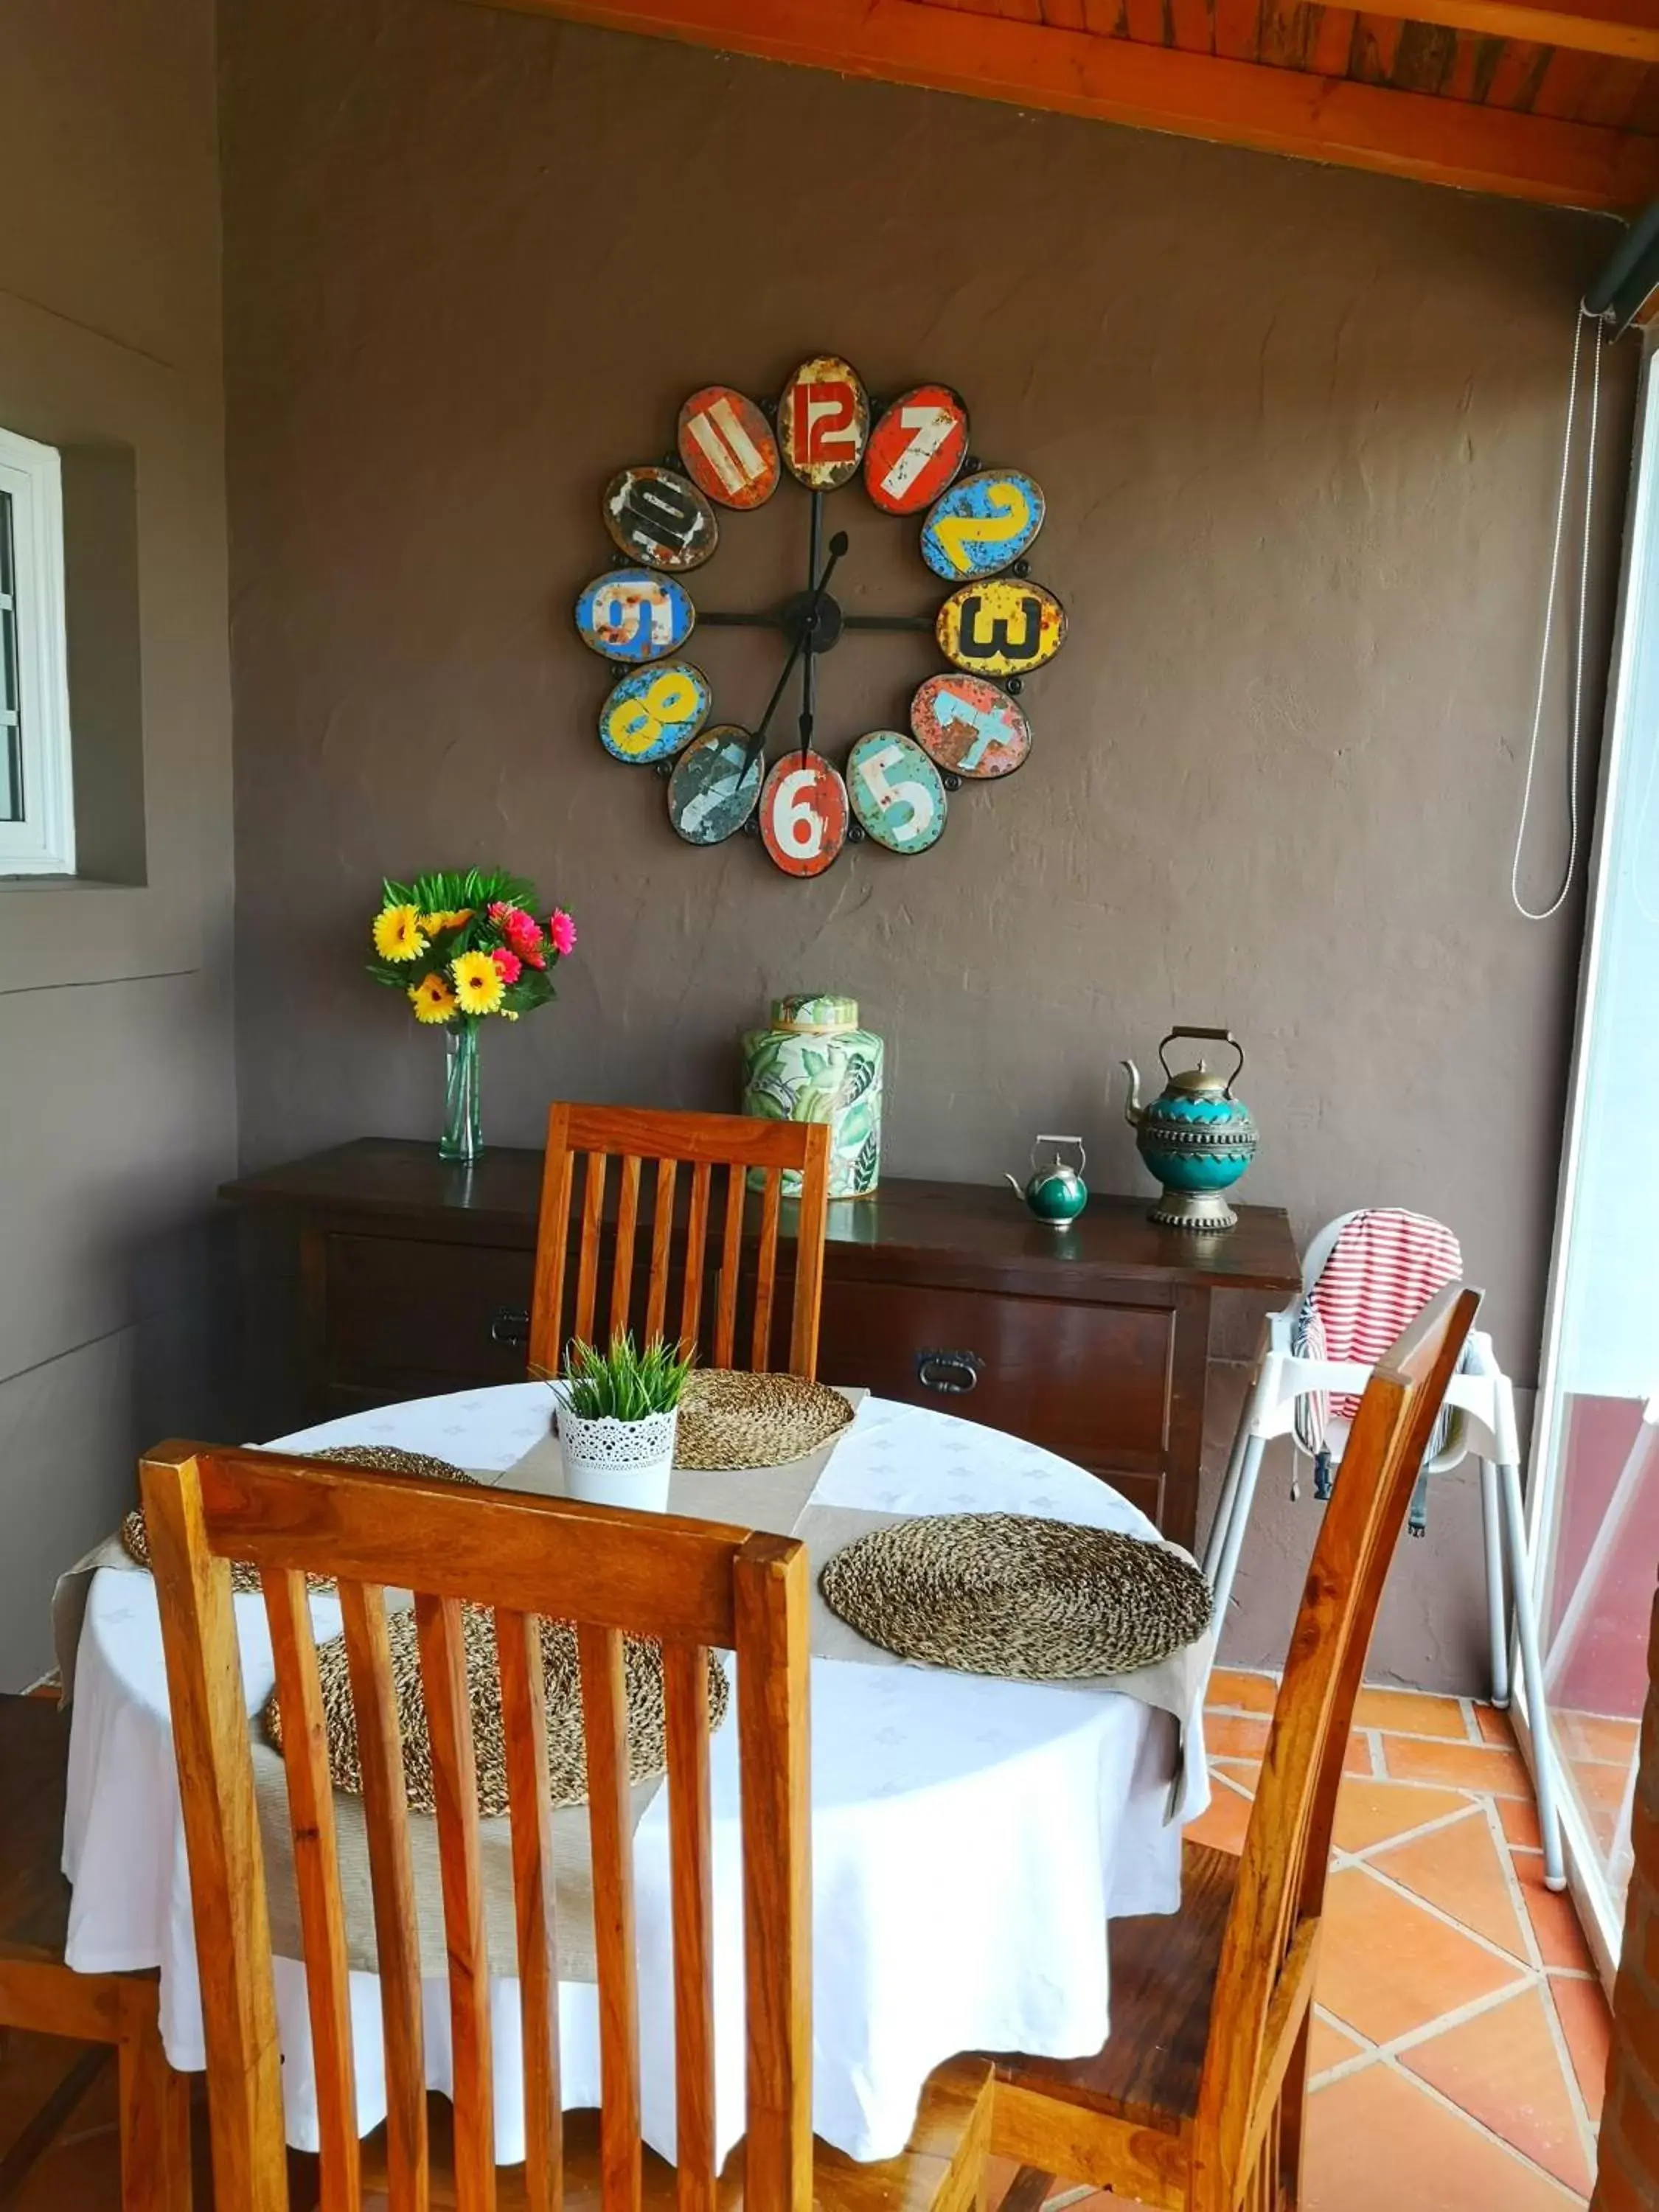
(612, 1463)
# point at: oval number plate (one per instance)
(802, 814)
(1004, 627)
(970, 726)
(823, 419)
(981, 525)
(655, 712)
(727, 446)
(712, 793)
(659, 517)
(896, 790)
(916, 449)
(632, 614)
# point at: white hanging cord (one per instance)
(1555, 904)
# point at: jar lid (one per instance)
(816, 1012)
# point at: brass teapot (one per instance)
(1195, 1137)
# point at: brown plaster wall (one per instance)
(117, 1070)
(1298, 428)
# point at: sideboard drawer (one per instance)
(1090, 1381)
(401, 1317)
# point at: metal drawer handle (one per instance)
(510, 1325)
(954, 1373)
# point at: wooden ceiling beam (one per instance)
(1627, 29)
(1279, 111)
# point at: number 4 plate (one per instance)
(897, 792)
(802, 814)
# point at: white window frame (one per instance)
(43, 843)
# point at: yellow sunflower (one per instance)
(445, 918)
(479, 985)
(398, 933)
(432, 999)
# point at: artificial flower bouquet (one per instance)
(463, 946)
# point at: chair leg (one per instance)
(1532, 1669)
(1232, 1541)
(1496, 1612)
(155, 2120)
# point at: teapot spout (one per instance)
(1132, 1106)
(1019, 1187)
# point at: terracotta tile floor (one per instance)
(1460, 2037)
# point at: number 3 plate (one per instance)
(802, 814)
(897, 792)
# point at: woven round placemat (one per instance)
(1005, 1594)
(730, 1418)
(566, 1755)
(380, 1459)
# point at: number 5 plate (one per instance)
(897, 792)
(802, 814)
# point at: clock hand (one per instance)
(838, 547)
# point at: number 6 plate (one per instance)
(802, 814)
(897, 792)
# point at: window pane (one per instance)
(11, 732)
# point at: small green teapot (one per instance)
(1056, 1191)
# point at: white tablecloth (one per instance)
(970, 1838)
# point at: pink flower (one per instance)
(509, 966)
(501, 913)
(562, 931)
(523, 933)
(536, 959)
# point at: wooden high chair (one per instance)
(731, 1142)
(1195, 2100)
(693, 1585)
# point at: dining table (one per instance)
(971, 1836)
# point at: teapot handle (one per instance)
(1220, 1036)
(1049, 1137)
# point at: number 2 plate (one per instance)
(896, 790)
(981, 525)
(802, 814)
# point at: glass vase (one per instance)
(462, 1138)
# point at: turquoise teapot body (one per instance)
(1055, 1191)
(1195, 1137)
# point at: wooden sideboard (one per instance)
(407, 1276)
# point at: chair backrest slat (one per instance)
(685, 1684)
(587, 1267)
(524, 1735)
(662, 1230)
(391, 1879)
(604, 1733)
(726, 1312)
(317, 1883)
(622, 1270)
(735, 1145)
(696, 1252)
(1280, 1888)
(766, 1273)
(772, 1746)
(222, 1839)
(439, 1623)
(693, 1587)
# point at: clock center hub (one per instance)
(819, 613)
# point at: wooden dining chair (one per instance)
(1195, 2101)
(693, 1585)
(733, 1143)
(115, 2015)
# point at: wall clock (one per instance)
(993, 628)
